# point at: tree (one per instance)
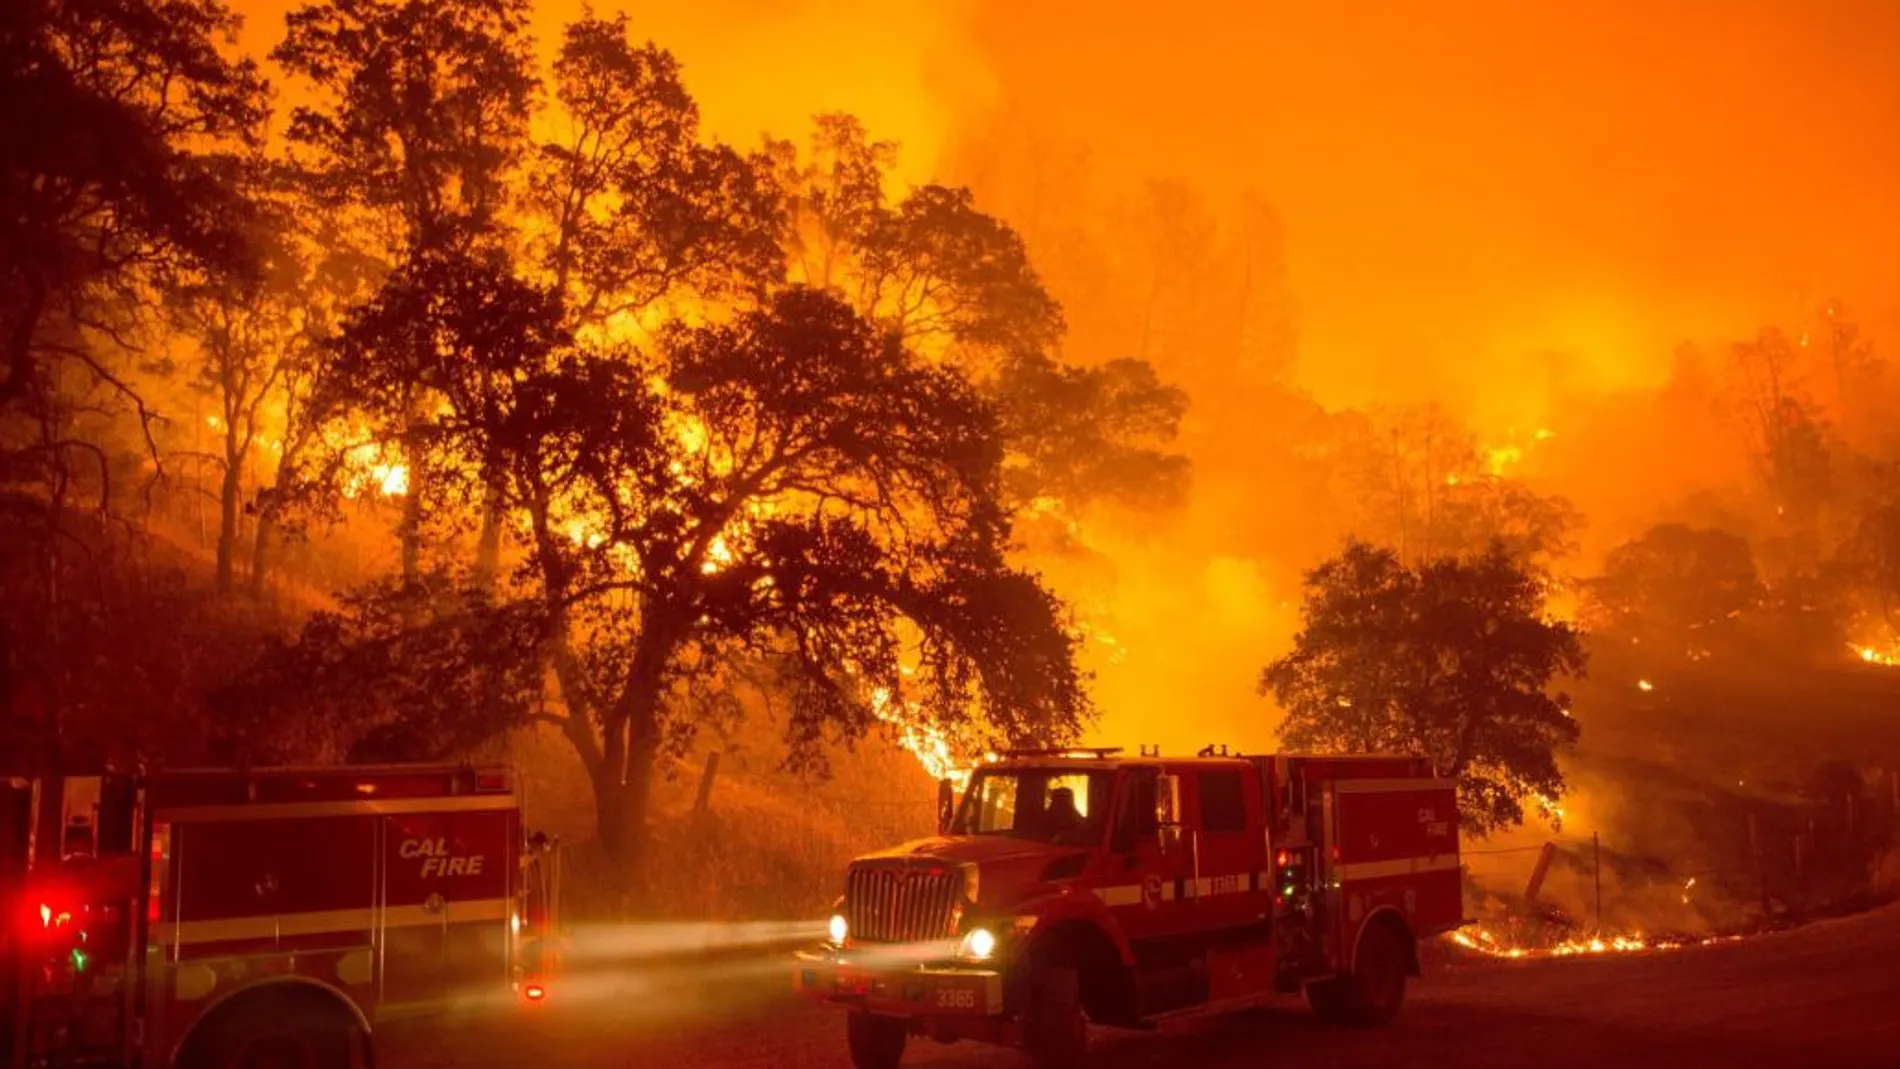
(1417, 481)
(1676, 581)
(418, 124)
(958, 284)
(1789, 439)
(792, 489)
(1452, 659)
(112, 116)
(246, 330)
(637, 208)
(1091, 433)
(419, 112)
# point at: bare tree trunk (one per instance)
(260, 553)
(488, 545)
(409, 528)
(229, 489)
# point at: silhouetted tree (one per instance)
(958, 284)
(792, 487)
(112, 116)
(416, 128)
(1453, 659)
(637, 208)
(1683, 583)
(1417, 481)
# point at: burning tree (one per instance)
(1452, 659)
(792, 493)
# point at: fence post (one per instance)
(1761, 872)
(704, 801)
(1544, 858)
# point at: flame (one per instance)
(580, 532)
(1887, 658)
(1502, 457)
(1477, 937)
(718, 555)
(1550, 806)
(1645, 686)
(927, 743)
(391, 479)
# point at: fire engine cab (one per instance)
(243, 918)
(1071, 888)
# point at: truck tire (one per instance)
(1055, 1026)
(1372, 994)
(876, 1042)
(266, 1044)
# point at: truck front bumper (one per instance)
(845, 978)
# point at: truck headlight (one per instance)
(978, 944)
(837, 929)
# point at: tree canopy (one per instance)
(1452, 659)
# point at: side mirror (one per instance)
(946, 805)
(1168, 810)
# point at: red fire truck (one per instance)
(226, 919)
(1084, 887)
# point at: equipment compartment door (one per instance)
(1395, 842)
(448, 877)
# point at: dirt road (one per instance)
(1823, 997)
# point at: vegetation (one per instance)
(1452, 659)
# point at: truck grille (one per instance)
(898, 905)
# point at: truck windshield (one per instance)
(1061, 806)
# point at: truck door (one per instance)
(1146, 889)
(1231, 850)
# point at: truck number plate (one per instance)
(956, 998)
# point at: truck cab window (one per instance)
(1223, 802)
(1062, 807)
(1136, 817)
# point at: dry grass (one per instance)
(772, 846)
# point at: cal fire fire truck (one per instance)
(1079, 887)
(225, 919)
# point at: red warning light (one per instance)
(535, 992)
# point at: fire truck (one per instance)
(224, 919)
(1071, 888)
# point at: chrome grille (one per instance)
(902, 905)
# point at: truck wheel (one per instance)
(1055, 1027)
(261, 1046)
(876, 1042)
(1373, 992)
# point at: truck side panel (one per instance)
(449, 877)
(244, 899)
(1393, 845)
